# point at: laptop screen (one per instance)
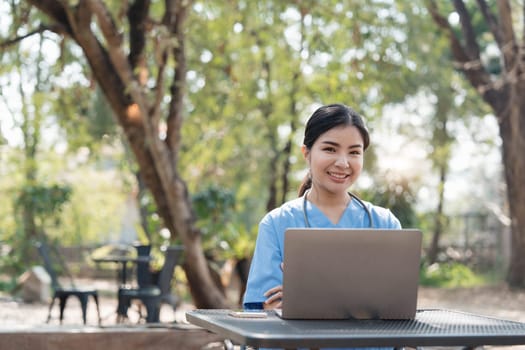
(351, 273)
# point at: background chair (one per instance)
(154, 294)
(144, 274)
(63, 293)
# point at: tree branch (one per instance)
(509, 46)
(175, 17)
(505, 21)
(492, 22)
(116, 52)
(56, 11)
(83, 14)
(472, 67)
(523, 26)
(152, 149)
(106, 23)
(42, 28)
(137, 17)
(161, 59)
(472, 48)
(458, 51)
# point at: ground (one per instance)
(498, 301)
(15, 313)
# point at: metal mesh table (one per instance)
(432, 327)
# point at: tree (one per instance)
(252, 95)
(114, 38)
(439, 86)
(499, 81)
(36, 202)
(38, 194)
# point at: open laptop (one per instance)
(350, 273)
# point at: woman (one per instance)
(335, 140)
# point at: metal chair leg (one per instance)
(62, 302)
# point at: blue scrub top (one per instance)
(265, 269)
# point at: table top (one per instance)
(431, 327)
(123, 258)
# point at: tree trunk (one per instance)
(195, 264)
(120, 70)
(506, 96)
(143, 209)
(438, 223)
(512, 131)
(440, 159)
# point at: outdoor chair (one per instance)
(144, 274)
(154, 294)
(62, 293)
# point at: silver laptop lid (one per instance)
(351, 273)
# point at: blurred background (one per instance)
(195, 131)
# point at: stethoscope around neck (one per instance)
(351, 195)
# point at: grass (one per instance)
(7, 284)
(450, 275)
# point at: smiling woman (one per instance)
(335, 161)
(334, 145)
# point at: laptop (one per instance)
(350, 273)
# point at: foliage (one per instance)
(12, 263)
(8, 285)
(92, 213)
(111, 249)
(252, 80)
(151, 227)
(239, 241)
(470, 44)
(224, 235)
(396, 196)
(448, 275)
(214, 207)
(46, 200)
(95, 212)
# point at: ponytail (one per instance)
(305, 185)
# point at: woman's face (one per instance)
(335, 159)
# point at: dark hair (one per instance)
(326, 118)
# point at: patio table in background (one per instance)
(123, 261)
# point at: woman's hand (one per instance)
(275, 296)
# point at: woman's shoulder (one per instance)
(383, 217)
(377, 209)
